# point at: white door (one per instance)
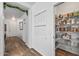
(11, 28)
(41, 25)
(1, 30)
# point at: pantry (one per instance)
(67, 27)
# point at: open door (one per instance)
(42, 16)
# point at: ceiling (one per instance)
(27, 4)
(12, 12)
(30, 3)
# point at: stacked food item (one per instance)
(64, 22)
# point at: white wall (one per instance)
(23, 33)
(25, 30)
(1, 30)
(29, 28)
(19, 32)
(48, 48)
(67, 7)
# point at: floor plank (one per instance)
(16, 47)
(60, 52)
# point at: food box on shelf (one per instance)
(76, 13)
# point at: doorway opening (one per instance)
(16, 30)
(16, 17)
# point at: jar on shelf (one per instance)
(59, 29)
(72, 29)
(71, 14)
(69, 21)
(78, 29)
(67, 14)
(73, 21)
(77, 21)
(65, 20)
(69, 29)
(61, 23)
(62, 29)
(66, 29)
(75, 29)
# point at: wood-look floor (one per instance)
(60, 52)
(16, 47)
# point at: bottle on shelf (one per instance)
(69, 21)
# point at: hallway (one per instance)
(16, 47)
(26, 30)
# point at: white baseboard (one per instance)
(36, 50)
(28, 45)
(40, 52)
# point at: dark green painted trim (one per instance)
(11, 6)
